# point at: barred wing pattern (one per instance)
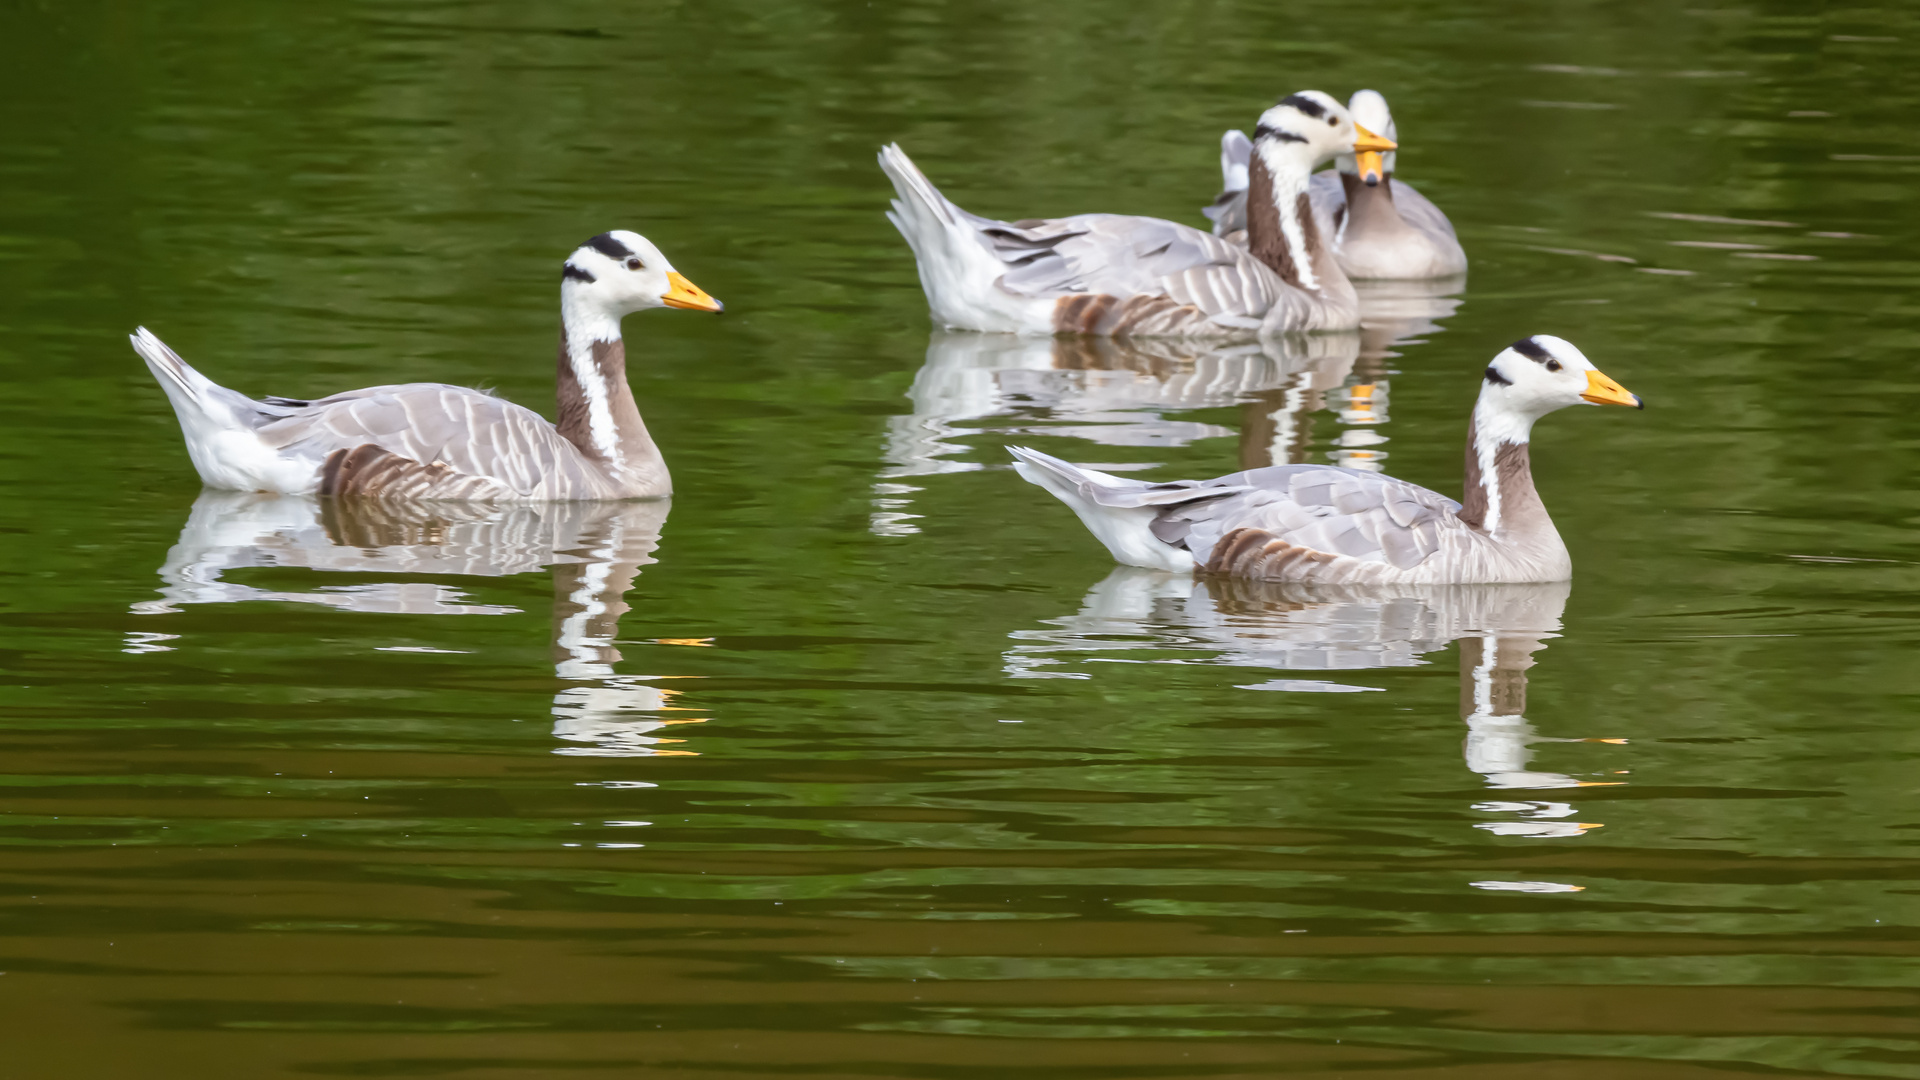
(432, 441)
(1315, 523)
(1122, 256)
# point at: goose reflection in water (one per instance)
(1117, 392)
(1299, 629)
(595, 550)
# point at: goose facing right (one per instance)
(433, 441)
(1119, 274)
(1382, 228)
(1322, 523)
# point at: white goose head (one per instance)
(1369, 109)
(1535, 376)
(1307, 128)
(618, 273)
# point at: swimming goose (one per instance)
(1323, 523)
(1381, 228)
(1117, 274)
(432, 441)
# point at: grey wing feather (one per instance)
(473, 435)
(1120, 255)
(1361, 515)
(1229, 210)
(1418, 211)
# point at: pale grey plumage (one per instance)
(438, 442)
(493, 449)
(1116, 274)
(1346, 526)
(1331, 525)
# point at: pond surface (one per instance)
(860, 759)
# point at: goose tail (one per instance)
(219, 424)
(1117, 511)
(1236, 157)
(920, 209)
(957, 268)
(184, 385)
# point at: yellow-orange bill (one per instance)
(1365, 141)
(1604, 391)
(682, 293)
(1372, 166)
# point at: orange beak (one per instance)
(1364, 141)
(1604, 391)
(682, 293)
(1367, 148)
(1372, 167)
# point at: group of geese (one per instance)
(1280, 258)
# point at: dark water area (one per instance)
(860, 758)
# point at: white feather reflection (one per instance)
(1123, 393)
(595, 551)
(1148, 617)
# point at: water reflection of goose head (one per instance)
(595, 549)
(1291, 627)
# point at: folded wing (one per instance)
(1317, 513)
(427, 440)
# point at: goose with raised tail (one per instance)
(1381, 227)
(433, 441)
(1323, 523)
(1122, 275)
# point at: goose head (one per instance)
(620, 272)
(1537, 375)
(1369, 109)
(1309, 127)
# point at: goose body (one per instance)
(1380, 226)
(1322, 523)
(1121, 275)
(433, 441)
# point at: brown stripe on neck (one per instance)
(1512, 467)
(1266, 238)
(576, 421)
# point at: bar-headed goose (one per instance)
(1117, 274)
(1382, 228)
(1343, 526)
(432, 441)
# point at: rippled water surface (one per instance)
(860, 759)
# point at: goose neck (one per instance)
(1498, 496)
(597, 413)
(1369, 209)
(1280, 226)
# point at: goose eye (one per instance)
(636, 264)
(1331, 122)
(1553, 365)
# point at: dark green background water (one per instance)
(248, 839)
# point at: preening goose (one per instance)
(1322, 523)
(1381, 228)
(432, 441)
(1116, 274)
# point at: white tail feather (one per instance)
(218, 425)
(176, 376)
(1124, 529)
(958, 273)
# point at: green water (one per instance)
(883, 771)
